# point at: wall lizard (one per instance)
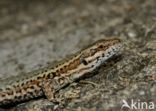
(48, 81)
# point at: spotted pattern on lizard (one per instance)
(49, 80)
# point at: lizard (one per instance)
(49, 80)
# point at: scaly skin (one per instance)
(49, 80)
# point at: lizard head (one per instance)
(100, 51)
(93, 56)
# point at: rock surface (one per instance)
(36, 33)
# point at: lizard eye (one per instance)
(83, 61)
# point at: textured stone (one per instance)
(36, 33)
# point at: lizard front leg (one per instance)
(52, 86)
(48, 89)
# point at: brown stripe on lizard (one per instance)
(47, 82)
